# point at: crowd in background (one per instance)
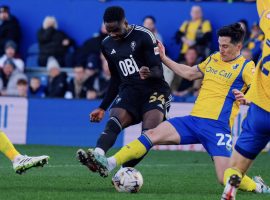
(90, 74)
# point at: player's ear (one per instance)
(240, 46)
(126, 22)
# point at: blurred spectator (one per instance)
(91, 47)
(92, 71)
(22, 88)
(254, 42)
(10, 50)
(184, 90)
(57, 85)
(103, 78)
(9, 77)
(150, 23)
(9, 28)
(79, 85)
(36, 90)
(195, 32)
(52, 42)
(247, 53)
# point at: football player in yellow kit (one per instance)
(21, 163)
(256, 128)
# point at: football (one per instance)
(127, 179)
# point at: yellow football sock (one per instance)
(7, 148)
(247, 184)
(229, 172)
(133, 150)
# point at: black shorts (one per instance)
(138, 101)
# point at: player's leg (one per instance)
(154, 111)
(151, 119)
(216, 138)
(169, 132)
(223, 163)
(254, 137)
(124, 112)
(165, 133)
(119, 119)
(7, 148)
(20, 162)
(177, 130)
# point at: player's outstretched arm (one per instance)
(185, 71)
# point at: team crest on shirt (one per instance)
(235, 66)
(133, 45)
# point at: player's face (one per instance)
(228, 50)
(117, 30)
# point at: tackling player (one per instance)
(213, 114)
(255, 128)
(21, 163)
(129, 49)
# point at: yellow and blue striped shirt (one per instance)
(216, 100)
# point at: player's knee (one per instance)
(113, 126)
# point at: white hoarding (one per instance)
(13, 118)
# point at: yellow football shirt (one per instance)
(259, 92)
(190, 29)
(216, 100)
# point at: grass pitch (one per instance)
(167, 175)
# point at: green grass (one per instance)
(167, 175)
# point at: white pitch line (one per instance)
(140, 165)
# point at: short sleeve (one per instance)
(201, 67)
(183, 27)
(206, 27)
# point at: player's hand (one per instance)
(97, 115)
(144, 72)
(161, 50)
(239, 96)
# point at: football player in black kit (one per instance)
(132, 54)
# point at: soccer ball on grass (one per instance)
(127, 179)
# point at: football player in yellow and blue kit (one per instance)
(213, 114)
(256, 128)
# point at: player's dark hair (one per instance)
(150, 17)
(114, 14)
(234, 31)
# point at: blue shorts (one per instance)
(255, 132)
(215, 136)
